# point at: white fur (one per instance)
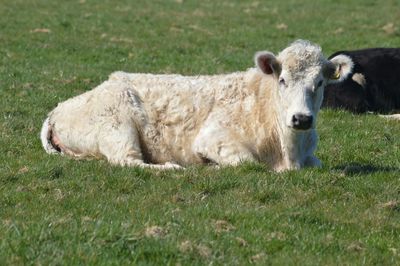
(360, 79)
(165, 121)
(344, 66)
(44, 136)
(393, 116)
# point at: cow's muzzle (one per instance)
(302, 121)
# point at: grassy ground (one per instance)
(54, 210)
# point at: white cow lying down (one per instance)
(266, 114)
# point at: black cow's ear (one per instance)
(338, 68)
(267, 63)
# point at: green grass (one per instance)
(54, 210)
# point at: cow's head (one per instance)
(301, 73)
(349, 94)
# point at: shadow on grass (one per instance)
(358, 168)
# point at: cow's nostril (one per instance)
(302, 121)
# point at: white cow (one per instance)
(266, 114)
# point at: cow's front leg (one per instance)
(309, 161)
(287, 164)
(312, 161)
(310, 144)
(219, 146)
(298, 151)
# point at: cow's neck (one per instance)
(291, 142)
(292, 148)
(267, 135)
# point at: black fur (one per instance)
(381, 94)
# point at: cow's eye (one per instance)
(282, 81)
(319, 84)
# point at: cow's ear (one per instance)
(267, 63)
(338, 68)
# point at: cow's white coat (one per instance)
(169, 121)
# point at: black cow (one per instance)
(373, 85)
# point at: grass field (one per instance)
(54, 210)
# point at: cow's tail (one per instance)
(46, 135)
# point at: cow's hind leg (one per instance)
(121, 146)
